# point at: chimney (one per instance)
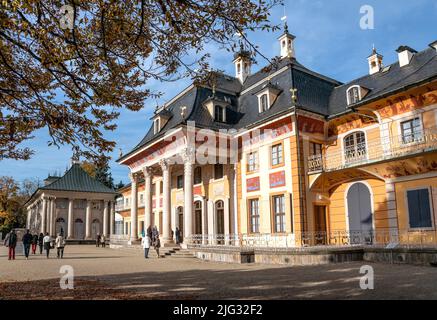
(434, 45)
(243, 64)
(405, 54)
(375, 62)
(286, 41)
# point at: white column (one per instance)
(148, 197)
(166, 201)
(111, 217)
(235, 204)
(44, 215)
(70, 219)
(188, 198)
(227, 222)
(105, 218)
(134, 208)
(204, 221)
(29, 214)
(211, 232)
(52, 217)
(88, 220)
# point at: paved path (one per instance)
(127, 272)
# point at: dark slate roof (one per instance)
(76, 179)
(315, 93)
(423, 67)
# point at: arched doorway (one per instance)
(220, 221)
(95, 228)
(79, 229)
(198, 217)
(180, 219)
(60, 226)
(360, 215)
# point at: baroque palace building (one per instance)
(318, 162)
(75, 204)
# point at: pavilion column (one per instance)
(188, 196)
(51, 217)
(227, 220)
(148, 175)
(134, 208)
(204, 222)
(105, 218)
(88, 220)
(166, 201)
(111, 217)
(29, 214)
(70, 219)
(44, 215)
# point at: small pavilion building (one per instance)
(75, 204)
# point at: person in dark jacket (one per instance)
(41, 242)
(157, 244)
(27, 241)
(98, 239)
(34, 243)
(178, 235)
(11, 243)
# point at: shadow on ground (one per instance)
(340, 281)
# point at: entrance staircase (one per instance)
(164, 252)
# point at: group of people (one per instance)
(100, 240)
(30, 242)
(151, 238)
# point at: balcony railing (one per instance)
(374, 150)
(333, 239)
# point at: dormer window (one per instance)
(353, 95)
(263, 102)
(219, 113)
(156, 125)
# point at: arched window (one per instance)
(198, 217)
(353, 95)
(355, 147)
(220, 217)
(263, 103)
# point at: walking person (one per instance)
(157, 245)
(155, 233)
(11, 243)
(98, 238)
(47, 244)
(41, 242)
(34, 243)
(103, 241)
(149, 232)
(178, 235)
(60, 244)
(145, 242)
(27, 241)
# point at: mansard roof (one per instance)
(315, 93)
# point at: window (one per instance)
(254, 215)
(218, 171)
(219, 114)
(153, 189)
(161, 187)
(180, 182)
(279, 213)
(79, 204)
(263, 103)
(127, 202)
(61, 204)
(353, 95)
(156, 125)
(411, 131)
(141, 198)
(277, 158)
(252, 162)
(198, 175)
(315, 149)
(419, 210)
(355, 147)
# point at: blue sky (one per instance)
(329, 41)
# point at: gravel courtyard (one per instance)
(103, 273)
